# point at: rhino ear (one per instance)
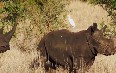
(103, 29)
(10, 33)
(93, 28)
(1, 30)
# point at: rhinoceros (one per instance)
(74, 49)
(5, 39)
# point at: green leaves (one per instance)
(113, 4)
(13, 9)
(50, 11)
(43, 13)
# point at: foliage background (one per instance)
(38, 17)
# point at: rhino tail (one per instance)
(41, 47)
(40, 51)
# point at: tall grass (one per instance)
(36, 18)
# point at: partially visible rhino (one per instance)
(74, 49)
(5, 39)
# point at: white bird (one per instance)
(71, 21)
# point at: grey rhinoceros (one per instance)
(5, 39)
(74, 49)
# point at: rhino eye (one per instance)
(3, 46)
(6, 46)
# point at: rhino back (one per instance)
(61, 45)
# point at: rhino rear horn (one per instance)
(1, 30)
(11, 32)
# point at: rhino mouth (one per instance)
(108, 53)
(2, 51)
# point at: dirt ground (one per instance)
(84, 14)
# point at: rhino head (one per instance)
(101, 44)
(5, 39)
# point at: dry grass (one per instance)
(104, 64)
(16, 61)
(85, 14)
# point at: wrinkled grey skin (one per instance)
(5, 39)
(70, 49)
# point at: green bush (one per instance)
(13, 10)
(49, 11)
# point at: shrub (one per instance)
(49, 11)
(37, 16)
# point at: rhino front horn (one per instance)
(104, 28)
(11, 32)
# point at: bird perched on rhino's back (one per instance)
(71, 21)
(5, 38)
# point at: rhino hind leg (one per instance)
(49, 63)
(53, 64)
